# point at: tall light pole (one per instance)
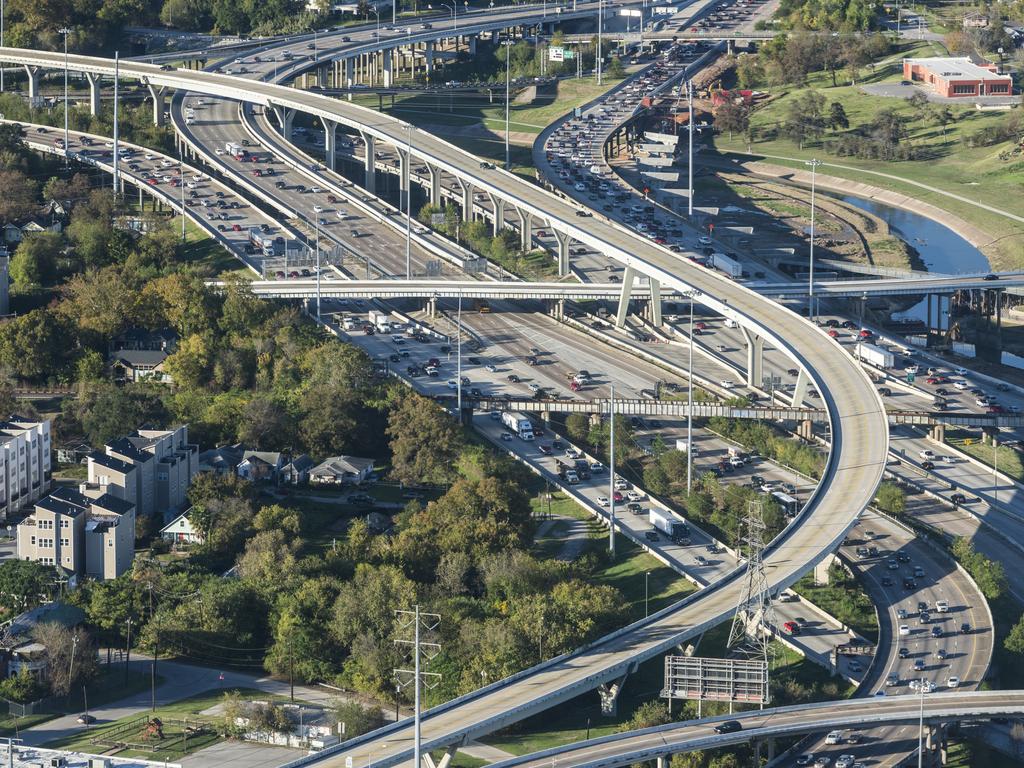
(65, 31)
(455, 13)
(689, 401)
(600, 36)
(458, 353)
(611, 471)
(394, 11)
(316, 224)
(508, 101)
(689, 168)
(376, 13)
(408, 201)
(2, 41)
(647, 593)
(920, 726)
(181, 185)
(117, 163)
(813, 163)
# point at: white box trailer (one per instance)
(728, 265)
(673, 527)
(874, 355)
(380, 320)
(518, 424)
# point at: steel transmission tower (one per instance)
(752, 624)
(413, 626)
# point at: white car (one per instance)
(506, 436)
(149, 155)
(727, 384)
(492, 368)
(909, 369)
(453, 384)
(942, 606)
(704, 240)
(620, 484)
(634, 496)
(844, 761)
(926, 455)
(953, 682)
(904, 630)
(318, 209)
(961, 385)
(534, 387)
(960, 371)
(603, 501)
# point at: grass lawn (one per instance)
(202, 251)
(1010, 462)
(971, 754)
(185, 709)
(627, 574)
(975, 173)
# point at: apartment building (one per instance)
(25, 467)
(163, 464)
(85, 532)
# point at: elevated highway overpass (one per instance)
(856, 417)
(663, 741)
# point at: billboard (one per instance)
(704, 679)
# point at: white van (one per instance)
(730, 323)
(834, 737)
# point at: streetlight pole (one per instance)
(65, 31)
(181, 179)
(2, 9)
(611, 471)
(508, 70)
(647, 593)
(920, 726)
(408, 201)
(600, 36)
(458, 353)
(317, 226)
(689, 404)
(813, 163)
(117, 164)
(394, 11)
(689, 165)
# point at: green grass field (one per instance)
(201, 251)
(975, 173)
(1009, 460)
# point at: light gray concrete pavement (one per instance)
(180, 680)
(240, 754)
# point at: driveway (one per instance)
(900, 91)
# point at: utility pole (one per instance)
(316, 224)
(128, 646)
(181, 178)
(600, 36)
(408, 201)
(508, 75)
(117, 76)
(291, 669)
(458, 353)
(2, 10)
(689, 401)
(611, 471)
(71, 665)
(152, 666)
(66, 32)
(813, 163)
(420, 623)
(689, 165)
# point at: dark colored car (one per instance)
(729, 726)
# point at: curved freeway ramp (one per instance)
(665, 740)
(856, 417)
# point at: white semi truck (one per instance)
(677, 530)
(380, 320)
(728, 265)
(518, 424)
(873, 355)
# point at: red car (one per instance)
(791, 628)
(833, 333)
(865, 333)
(617, 496)
(700, 324)
(152, 181)
(257, 172)
(236, 227)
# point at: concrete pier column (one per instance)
(564, 241)
(388, 65)
(498, 206)
(472, 45)
(938, 433)
(94, 93)
(428, 57)
(404, 172)
(158, 95)
(284, 117)
(348, 79)
(33, 81)
(755, 357)
(628, 277)
(371, 176)
(467, 199)
(435, 184)
(800, 390)
(656, 303)
(525, 229)
(330, 140)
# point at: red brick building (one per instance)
(958, 77)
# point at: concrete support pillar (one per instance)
(627, 289)
(33, 81)
(428, 57)
(938, 433)
(929, 735)
(158, 95)
(330, 140)
(472, 45)
(525, 229)
(821, 577)
(609, 693)
(498, 207)
(371, 176)
(284, 117)
(94, 93)
(387, 65)
(656, 303)
(661, 762)
(563, 252)
(435, 184)
(806, 430)
(467, 199)
(943, 746)
(404, 170)
(445, 760)
(800, 390)
(755, 357)
(349, 77)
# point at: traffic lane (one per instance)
(202, 195)
(960, 474)
(377, 246)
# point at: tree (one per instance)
(100, 302)
(424, 440)
(577, 426)
(917, 101)
(33, 345)
(943, 115)
(24, 584)
(1015, 639)
(357, 718)
(732, 117)
(303, 645)
(265, 424)
(656, 480)
(189, 364)
(647, 715)
(106, 411)
(70, 655)
(267, 562)
(20, 197)
(891, 498)
(615, 68)
(804, 118)
(34, 263)
(837, 117)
